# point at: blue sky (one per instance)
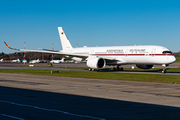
(89, 23)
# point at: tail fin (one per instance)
(64, 41)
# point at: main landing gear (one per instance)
(117, 68)
(90, 69)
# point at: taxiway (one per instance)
(68, 66)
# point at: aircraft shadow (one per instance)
(110, 70)
(146, 71)
(57, 105)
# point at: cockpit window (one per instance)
(167, 52)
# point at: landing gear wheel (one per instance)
(114, 69)
(90, 69)
(117, 68)
(121, 69)
(164, 71)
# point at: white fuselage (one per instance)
(128, 54)
(15, 60)
(34, 61)
(57, 61)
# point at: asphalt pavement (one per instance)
(27, 97)
(82, 66)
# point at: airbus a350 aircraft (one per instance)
(98, 57)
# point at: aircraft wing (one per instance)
(54, 52)
(50, 51)
(84, 56)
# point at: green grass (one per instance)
(101, 75)
(125, 69)
(177, 59)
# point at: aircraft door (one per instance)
(92, 52)
(126, 52)
(153, 52)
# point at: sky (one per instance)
(89, 23)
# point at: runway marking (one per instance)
(12, 117)
(52, 110)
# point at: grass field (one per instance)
(177, 59)
(125, 69)
(101, 75)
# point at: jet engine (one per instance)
(96, 62)
(143, 66)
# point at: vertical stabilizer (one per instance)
(64, 41)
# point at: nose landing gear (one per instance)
(164, 69)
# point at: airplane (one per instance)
(35, 61)
(96, 58)
(1, 60)
(24, 61)
(15, 60)
(57, 61)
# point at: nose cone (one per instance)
(172, 59)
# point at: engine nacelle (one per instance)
(143, 66)
(96, 62)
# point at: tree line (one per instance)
(29, 56)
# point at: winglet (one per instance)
(10, 47)
(7, 45)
